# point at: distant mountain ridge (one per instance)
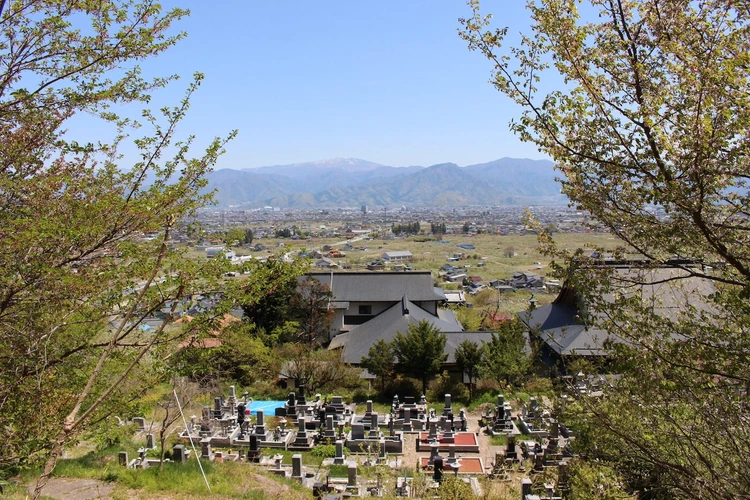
(341, 182)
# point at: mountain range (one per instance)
(352, 182)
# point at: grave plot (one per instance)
(442, 430)
(500, 422)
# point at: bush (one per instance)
(403, 386)
(326, 451)
(539, 385)
(443, 385)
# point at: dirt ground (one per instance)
(62, 488)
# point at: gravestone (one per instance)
(330, 432)
(358, 431)
(451, 454)
(297, 466)
(406, 426)
(232, 399)
(178, 453)
(122, 458)
(374, 431)
(291, 406)
(437, 469)
(337, 402)
(150, 441)
(206, 449)
(433, 453)
(301, 400)
(381, 451)
(140, 422)
(447, 411)
(351, 478)
(554, 429)
(526, 485)
(260, 423)
(217, 408)
(510, 448)
(339, 458)
(447, 429)
(433, 434)
(253, 453)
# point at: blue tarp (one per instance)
(268, 407)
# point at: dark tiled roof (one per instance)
(380, 286)
(454, 339)
(386, 325)
(668, 290)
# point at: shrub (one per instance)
(403, 386)
(539, 385)
(445, 385)
(326, 451)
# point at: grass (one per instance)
(430, 255)
(500, 440)
(227, 480)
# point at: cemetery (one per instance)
(374, 452)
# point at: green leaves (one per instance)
(647, 120)
(420, 352)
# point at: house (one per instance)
(397, 256)
(356, 343)
(456, 277)
(325, 263)
(377, 306)
(455, 297)
(565, 329)
(526, 279)
(358, 297)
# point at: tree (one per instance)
(469, 358)
(270, 310)
(380, 361)
(504, 359)
(649, 128)
(78, 278)
(311, 307)
(420, 352)
(248, 238)
(186, 391)
(234, 236)
(319, 369)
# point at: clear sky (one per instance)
(388, 81)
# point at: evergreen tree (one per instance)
(420, 352)
(469, 357)
(380, 361)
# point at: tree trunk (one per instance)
(51, 462)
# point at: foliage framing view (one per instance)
(652, 114)
(76, 284)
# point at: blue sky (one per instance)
(388, 81)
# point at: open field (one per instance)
(489, 259)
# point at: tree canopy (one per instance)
(469, 356)
(380, 361)
(420, 352)
(79, 278)
(504, 359)
(648, 127)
